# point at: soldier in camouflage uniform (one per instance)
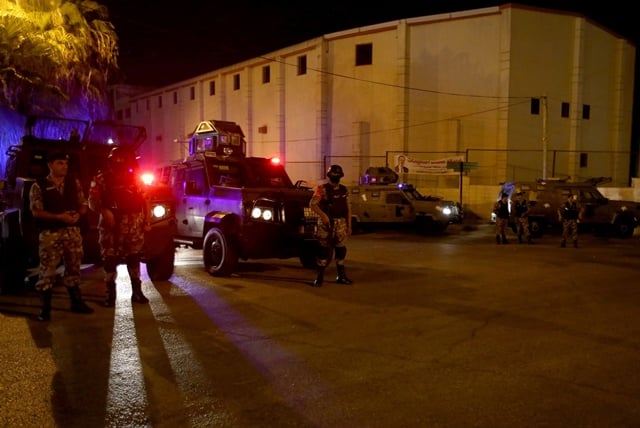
(502, 212)
(117, 195)
(521, 213)
(570, 213)
(57, 202)
(331, 202)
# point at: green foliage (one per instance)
(56, 57)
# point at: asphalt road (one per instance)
(447, 331)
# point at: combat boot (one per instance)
(504, 239)
(110, 296)
(45, 312)
(498, 239)
(342, 276)
(137, 296)
(319, 278)
(77, 304)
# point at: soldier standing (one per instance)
(331, 202)
(117, 195)
(57, 202)
(521, 212)
(501, 210)
(570, 213)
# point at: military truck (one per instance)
(602, 215)
(88, 145)
(379, 200)
(236, 207)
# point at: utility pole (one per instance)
(545, 142)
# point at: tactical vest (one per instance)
(336, 205)
(57, 203)
(502, 210)
(570, 211)
(521, 208)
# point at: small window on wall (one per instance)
(212, 87)
(159, 101)
(175, 97)
(535, 105)
(192, 93)
(236, 82)
(364, 54)
(302, 65)
(586, 111)
(564, 110)
(266, 74)
(584, 160)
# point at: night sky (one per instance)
(168, 42)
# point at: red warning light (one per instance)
(275, 160)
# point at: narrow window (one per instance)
(584, 160)
(127, 113)
(564, 110)
(302, 65)
(148, 104)
(175, 97)
(535, 105)
(586, 111)
(364, 54)
(266, 74)
(236, 82)
(212, 87)
(192, 93)
(159, 101)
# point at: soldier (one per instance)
(521, 213)
(570, 213)
(57, 202)
(331, 202)
(117, 195)
(501, 210)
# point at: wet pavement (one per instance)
(448, 331)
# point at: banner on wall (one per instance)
(404, 164)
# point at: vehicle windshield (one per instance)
(251, 172)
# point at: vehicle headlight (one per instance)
(446, 211)
(264, 213)
(158, 211)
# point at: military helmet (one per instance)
(335, 172)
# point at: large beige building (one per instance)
(519, 92)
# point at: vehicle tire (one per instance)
(219, 253)
(624, 227)
(309, 255)
(536, 227)
(161, 268)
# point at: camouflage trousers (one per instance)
(522, 227)
(501, 226)
(569, 229)
(66, 244)
(124, 242)
(333, 235)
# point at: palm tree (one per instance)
(56, 57)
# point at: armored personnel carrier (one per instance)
(236, 207)
(379, 200)
(88, 145)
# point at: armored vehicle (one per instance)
(380, 200)
(88, 145)
(236, 207)
(618, 218)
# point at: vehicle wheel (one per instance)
(219, 254)
(309, 254)
(624, 227)
(161, 268)
(536, 227)
(426, 225)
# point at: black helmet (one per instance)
(335, 173)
